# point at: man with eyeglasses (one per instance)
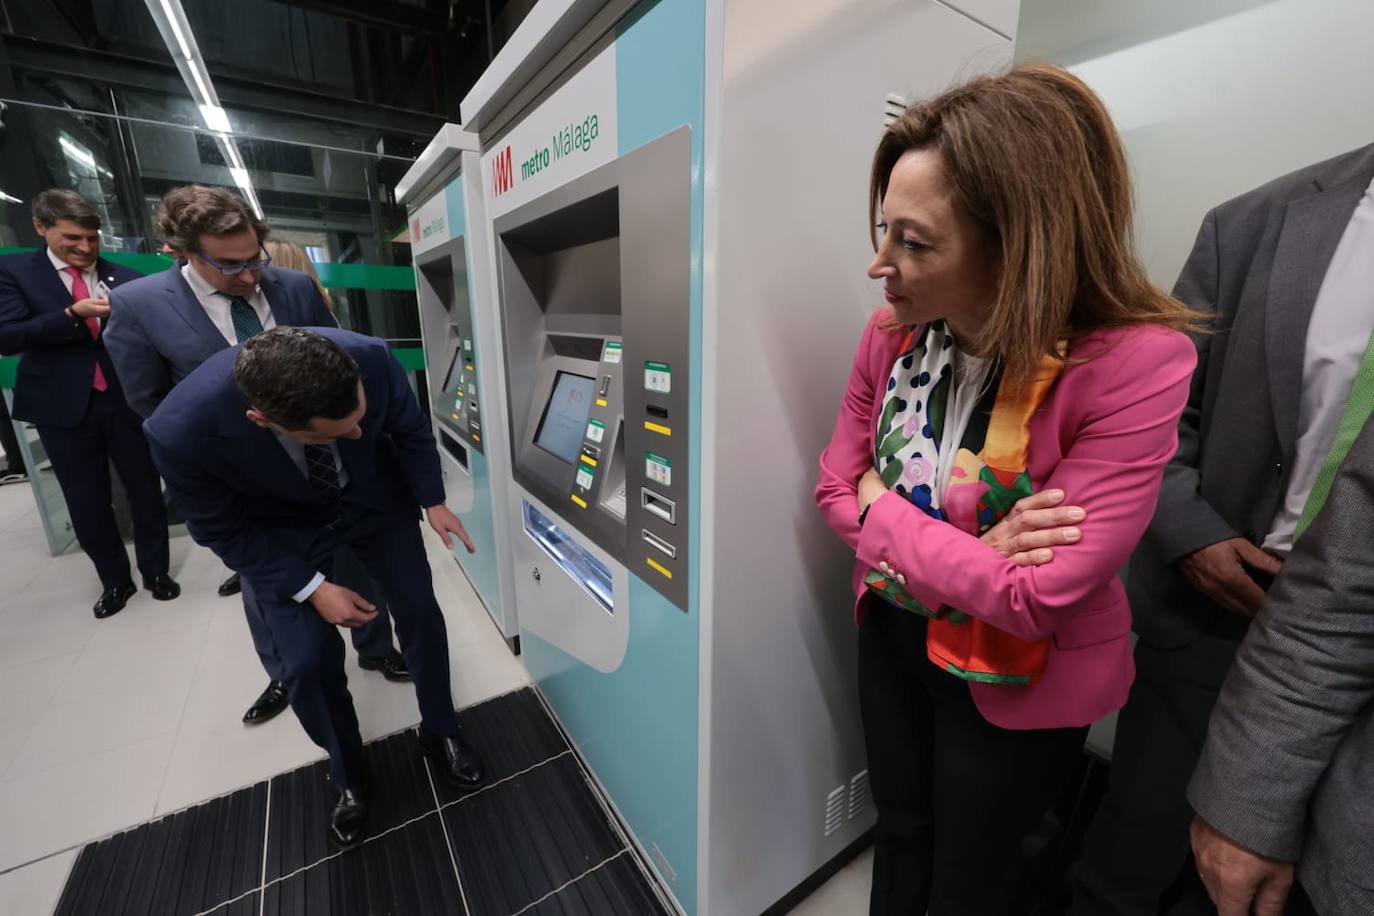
(223, 292)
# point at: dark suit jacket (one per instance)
(159, 333)
(243, 497)
(1257, 265)
(1289, 761)
(54, 382)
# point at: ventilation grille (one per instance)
(893, 109)
(858, 794)
(834, 810)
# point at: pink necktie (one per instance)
(79, 292)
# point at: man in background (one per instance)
(1285, 775)
(52, 303)
(1287, 271)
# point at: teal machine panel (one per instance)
(448, 244)
(678, 247)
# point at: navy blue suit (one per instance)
(158, 334)
(244, 499)
(82, 430)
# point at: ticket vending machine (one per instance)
(448, 236)
(677, 193)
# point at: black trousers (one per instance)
(110, 432)
(1137, 858)
(9, 441)
(312, 652)
(371, 640)
(955, 794)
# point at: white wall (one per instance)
(1211, 109)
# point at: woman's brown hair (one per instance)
(293, 257)
(1032, 155)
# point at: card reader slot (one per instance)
(658, 505)
(659, 544)
(655, 411)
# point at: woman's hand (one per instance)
(1033, 526)
(871, 489)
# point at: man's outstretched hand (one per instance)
(446, 524)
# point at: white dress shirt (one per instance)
(970, 382)
(217, 305)
(1340, 329)
(93, 281)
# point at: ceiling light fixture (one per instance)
(206, 97)
(174, 23)
(197, 78)
(217, 118)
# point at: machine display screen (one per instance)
(565, 416)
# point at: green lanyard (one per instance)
(1357, 410)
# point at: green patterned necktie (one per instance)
(246, 321)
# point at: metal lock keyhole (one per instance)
(536, 574)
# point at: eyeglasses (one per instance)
(233, 270)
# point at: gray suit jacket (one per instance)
(1288, 770)
(158, 333)
(1257, 265)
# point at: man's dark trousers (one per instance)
(312, 651)
(110, 432)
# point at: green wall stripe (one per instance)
(143, 263)
(366, 276)
(334, 276)
(412, 359)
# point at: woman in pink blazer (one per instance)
(1022, 357)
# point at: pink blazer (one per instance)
(1103, 436)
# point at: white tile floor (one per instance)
(105, 724)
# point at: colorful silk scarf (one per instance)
(988, 477)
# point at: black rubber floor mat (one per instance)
(617, 888)
(534, 839)
(183, 863)
(398, 790)
(406, 871)
(511, 735)
(524, 838)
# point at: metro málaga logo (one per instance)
(502, 175)
(567, 141)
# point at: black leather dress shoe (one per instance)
(348, 820)
(112, 600)
(163, 587)
(458, 762)
(230, 586)
(272, 701)
(392, 665)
